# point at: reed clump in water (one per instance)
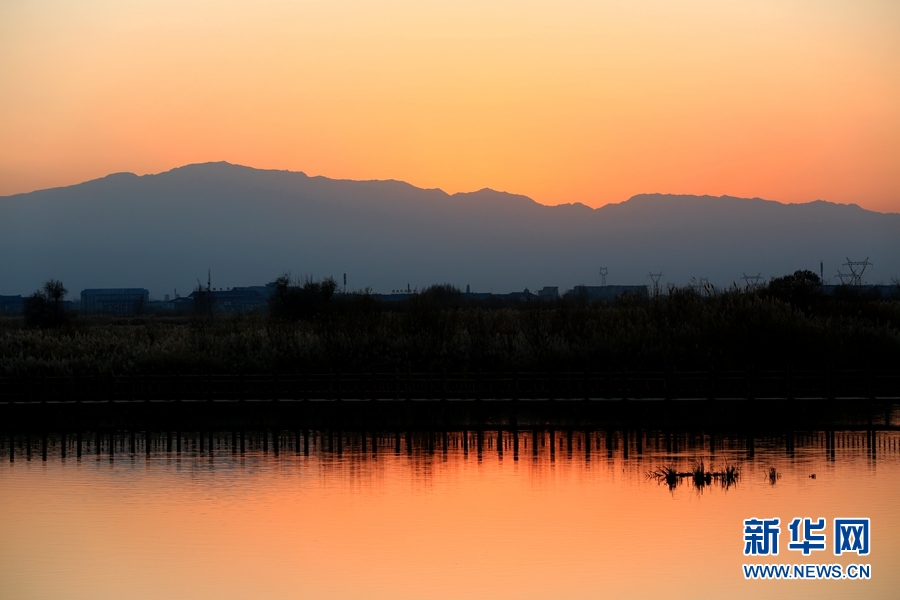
(698, 476)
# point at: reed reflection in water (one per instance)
(429, 514)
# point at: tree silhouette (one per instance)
(55, 290)
(293, 301)
(44, 308)
(800, 289)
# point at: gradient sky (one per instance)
(588, 101)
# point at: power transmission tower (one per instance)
(846, 278)
(655, 277)
(752, 281)
(857, 268)
(603, 272)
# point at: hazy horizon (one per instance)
(440, 189)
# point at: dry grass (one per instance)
(680, 331)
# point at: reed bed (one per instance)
(680, 331)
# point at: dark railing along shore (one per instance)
(608, 385)
(734, 400)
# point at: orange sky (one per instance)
(591, 101)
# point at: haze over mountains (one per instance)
(248, 226)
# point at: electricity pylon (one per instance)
(752, 281)
(857, 268)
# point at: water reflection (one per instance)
(663, 449)
(483, 513)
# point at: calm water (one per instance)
(428, 516)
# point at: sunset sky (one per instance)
(567, 101)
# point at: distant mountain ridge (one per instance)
(249, 225)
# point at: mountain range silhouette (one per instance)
(248, 226)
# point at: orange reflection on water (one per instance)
(430, 523)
